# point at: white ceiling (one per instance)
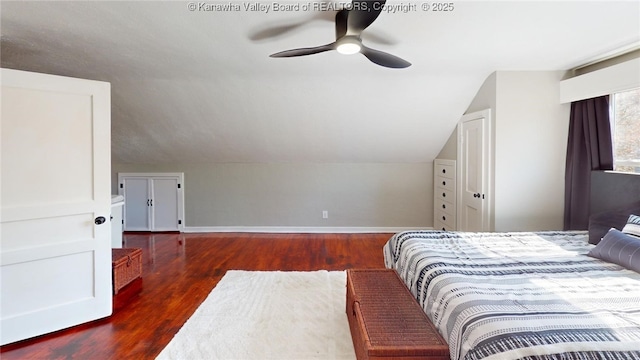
(199, 86)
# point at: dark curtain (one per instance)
(589, 148)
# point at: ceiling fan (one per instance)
(350, 22)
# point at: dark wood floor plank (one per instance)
(179, 271)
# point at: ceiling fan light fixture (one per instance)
(349, 26)
(348, 46)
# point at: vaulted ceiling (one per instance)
(199, 86)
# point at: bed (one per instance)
(523, 295)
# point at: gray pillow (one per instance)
(633, 226)
(619, 248)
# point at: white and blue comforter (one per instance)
(520, 295)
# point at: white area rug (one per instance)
(268, 315)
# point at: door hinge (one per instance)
(482, 196)
(178, 186)
(179, 222)
(122, 221)
(121, 186)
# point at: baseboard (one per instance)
(299, 229)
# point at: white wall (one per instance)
(294, 195)
(485, 99)
(486, 96)
(530, 129)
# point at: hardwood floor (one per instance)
(179, 271)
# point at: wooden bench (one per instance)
(385, 320)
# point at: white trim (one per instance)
(627, 162)
(152, 174)
(299, 229)
(615, 78)
(610, 55)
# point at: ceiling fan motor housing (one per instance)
(348, 45)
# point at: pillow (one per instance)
(633, 226)
(619, 248)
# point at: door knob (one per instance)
(476, 195)
(100, 220)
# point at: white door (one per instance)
(474, 172)
(55, 258)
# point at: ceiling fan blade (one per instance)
(273, 32)
(276, 30)
(362, 14)
(341, 23)
(303, 51)
(383, 59)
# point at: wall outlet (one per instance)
(325, 214)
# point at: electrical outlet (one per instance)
(325, 214)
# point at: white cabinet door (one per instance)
(164, 206)
(136, 204)
(55, 172)
(153, 201)
(117, 203)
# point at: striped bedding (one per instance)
(520, 295)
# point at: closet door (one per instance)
(153, 201)
(136, 204)
(164, 204)
(474, 197)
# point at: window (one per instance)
(625, 129)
